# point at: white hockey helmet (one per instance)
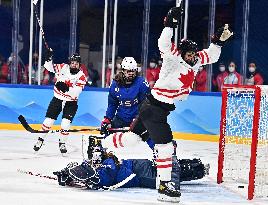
(129, 63)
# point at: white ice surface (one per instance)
(16, 152)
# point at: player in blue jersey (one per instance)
(104, 170)
(126, 93)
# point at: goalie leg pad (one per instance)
(81, 172)
(120, 139)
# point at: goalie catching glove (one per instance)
(173, 17)
(75, 174)
(222, 35)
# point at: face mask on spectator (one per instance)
(231, 69)
(222, 68)
(10, 59)
(109, 65)
(152, 65)
(252, 69)
(118, 65)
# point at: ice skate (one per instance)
(38, 144)
(206, 169)
(62, 147)
(167, 192)
(91, 145)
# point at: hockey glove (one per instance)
(173, 17)
(105, 125)
(62, 86)
(222, 35)
(63, 177)
(48, 54)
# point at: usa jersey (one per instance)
(123, 101)
(176, 77)
(76, 83)
(111, 174)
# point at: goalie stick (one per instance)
(27, 127)
(107, 188)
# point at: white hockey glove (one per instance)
(222, 35)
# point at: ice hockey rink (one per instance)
(16, 153)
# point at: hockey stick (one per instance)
(36, 174)
(106, 188)
(120, 184)
(39, 23)
(27, 127)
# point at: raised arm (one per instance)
(48, 60)
(171, 22)
(212, 53)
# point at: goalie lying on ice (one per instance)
(104, 170)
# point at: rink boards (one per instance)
(197, 118)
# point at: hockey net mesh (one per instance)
(238, 139)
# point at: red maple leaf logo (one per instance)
(82, 78)
(188, 79)
(68, 82)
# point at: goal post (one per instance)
(243, 142)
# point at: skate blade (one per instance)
(165, 198)
(207, 167)
(64, 154)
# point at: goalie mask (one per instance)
(74, 63)
(129, 68)
(188, 50)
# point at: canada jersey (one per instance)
(76, 82)
(176, 77)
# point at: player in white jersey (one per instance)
(70, 81)
(175, 82)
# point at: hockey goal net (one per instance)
(243, 144)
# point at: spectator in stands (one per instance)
(233, 78)
(48, 78)
(160, 61)
(117, 66)
(84, 68)
(24, 73)
(93, 75)
(139, 67)
(219, 80)
(253, 76)
(152, 72)
(201, 80)
(117, 69)
(108, 74)
(22, 76)
(4, 71)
